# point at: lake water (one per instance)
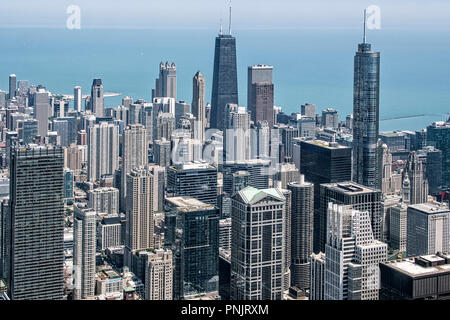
(314, 66)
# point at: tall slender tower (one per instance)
(103, 150)
(84, 231)
(139, 214)
(198, 103)
(166, 83)
(418, 180)
(12, 86)
(366, 94)
(77, 98)
(302, 222)
(225, 88)
(97, 98)
(260, 93)
(134, 155)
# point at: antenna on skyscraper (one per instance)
(221, 31)
(229, 25)
(364, 39)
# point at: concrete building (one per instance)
(199, 102)
(104, 200)
(348, 193)
(159, 276)
(317, 274)
(84, 231)
(134, 154)
(416, 278)
(103, 150)
(166, 83)
(257, 270)
(302, 223)
(139, 214)
(352, 256)
(428, 228)
(260, 94)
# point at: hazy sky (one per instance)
(247, 14)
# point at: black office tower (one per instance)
(225, 88)
(37, 223)
(324, 162)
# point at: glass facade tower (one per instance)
(366, 93)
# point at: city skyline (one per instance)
(167, 195)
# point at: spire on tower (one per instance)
(364, 39)
(229, 23)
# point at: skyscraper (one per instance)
(438, 136)
(77, 98)
(347, 193)
(302, 221)
(236, 136)
(42, 110)
(366, 109)
(225, 87)
(352, 255)
(139, 214)
(134, 154)
(166, 83)
(257, 244)
(195, 179)
(418, 180)
(36, 223)
(84, 236)
(428, 229)
(12, 86)
(104, 200)
(159, 276)
(260, 93)
(103, 150)
(199, 103)
(97, 98)
(195, 226)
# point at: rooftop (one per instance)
(350, 188)
(189, 204)
(421, 265)
(431, 207)
(251, 195)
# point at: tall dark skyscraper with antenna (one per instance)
(225, 88)
(366, 94)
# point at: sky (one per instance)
(413, 15)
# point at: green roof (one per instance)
(252, 195)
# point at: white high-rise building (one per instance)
(237, 145)
(104, 200)
(159, 276)
(199, 104)
(317, 273)
(134, 154)
(397, 226)
(84, 234)
(42, 110)
(103, 150)
(352, 255)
